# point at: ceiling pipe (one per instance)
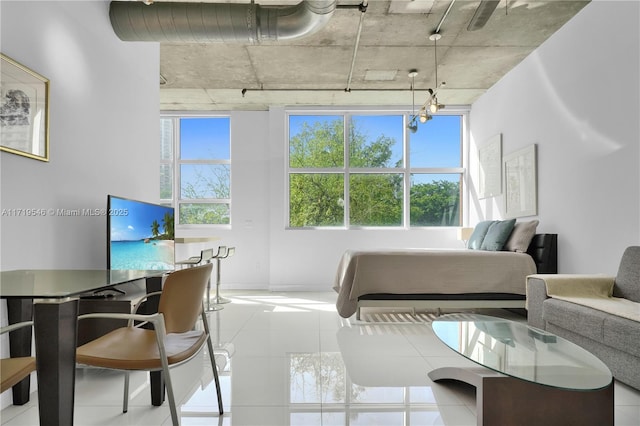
(363, 10)
(217, 22)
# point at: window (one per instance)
(367, 170)
(195, 168)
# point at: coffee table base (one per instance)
(504, 400)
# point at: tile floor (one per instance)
(289, 359)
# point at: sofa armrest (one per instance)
(536, 294)
(540, 286)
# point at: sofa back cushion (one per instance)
(627, 284)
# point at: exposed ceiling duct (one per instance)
(217, 22)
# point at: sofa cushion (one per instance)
(579, 319)
(628, 279)
(622, 333)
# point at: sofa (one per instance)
(599, 313)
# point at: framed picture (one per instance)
(24, 111)
(520, 183)
(490, 159)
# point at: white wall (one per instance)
(104, 132)
(578, 98)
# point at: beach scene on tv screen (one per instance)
(142, 235)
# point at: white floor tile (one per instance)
(289, 359)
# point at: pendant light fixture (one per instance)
(431, 105)
(434, 106)
(412, 125)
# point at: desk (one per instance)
(55, 311)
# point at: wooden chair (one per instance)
(13, 370)
(171, 342)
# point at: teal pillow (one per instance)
(497, 235)
(478, 234)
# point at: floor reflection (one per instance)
(290, 360)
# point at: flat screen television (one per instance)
(140, 235)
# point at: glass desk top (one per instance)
(61, 283)
(518, 350)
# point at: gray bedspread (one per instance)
(420, 271)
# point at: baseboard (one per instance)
(300, 287)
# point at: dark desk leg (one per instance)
(19, 310)
(155, 377)
(56, 330)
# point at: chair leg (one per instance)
(216, 378)
(215, 375)
(170, 396)
(125, 399)
(160, 332)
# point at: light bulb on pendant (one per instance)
(423, 116)
(433, 105)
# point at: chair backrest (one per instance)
(627, 283)
(206, 255)
(181, 299)
(222, 251)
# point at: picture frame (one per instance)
(24, 110)
(520, 183)
(490, 168)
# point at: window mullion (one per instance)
(406, 205)
(346, 168)
(176, 167)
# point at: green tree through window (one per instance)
(374, 181)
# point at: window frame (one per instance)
(406, 170)
(176, 162)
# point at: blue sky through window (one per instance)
(437, 142)
(204, 138)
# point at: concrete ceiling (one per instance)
(394, 38)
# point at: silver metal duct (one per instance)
(217, 22)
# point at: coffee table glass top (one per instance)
(518, 350)
(61, 283)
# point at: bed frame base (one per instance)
(438, 305)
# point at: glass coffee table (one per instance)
(525, 376)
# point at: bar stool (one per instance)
(228, 252)
(205, 256)
(222, 252)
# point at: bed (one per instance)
(440, 278)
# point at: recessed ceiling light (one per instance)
(380, 75)
(411, 6)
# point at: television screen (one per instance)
(140, 235)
